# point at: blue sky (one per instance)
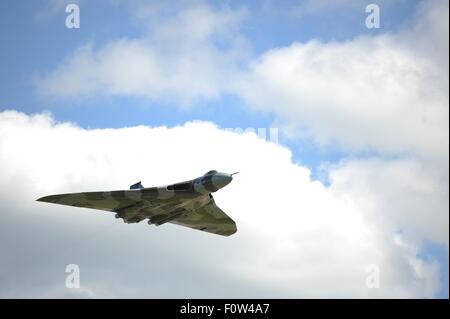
(35, 42)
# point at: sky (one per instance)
(353, 178)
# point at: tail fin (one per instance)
(138, 185)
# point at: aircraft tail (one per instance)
(138, 185)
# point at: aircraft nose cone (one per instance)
(220, 180)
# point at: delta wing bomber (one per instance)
(189, 203)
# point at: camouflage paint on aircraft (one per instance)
(189, 203)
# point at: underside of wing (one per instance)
(209, 218)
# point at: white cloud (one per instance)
(296, 237)
(404, 194)
(387, 93)
(190, 54)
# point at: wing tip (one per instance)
(230, 232)
(41, 199)
(46, 199)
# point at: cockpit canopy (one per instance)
(211, 172)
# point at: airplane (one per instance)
(189, 203)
